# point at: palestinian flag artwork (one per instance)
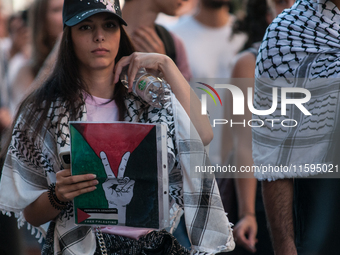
(130, 162)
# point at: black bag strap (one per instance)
(168, 41)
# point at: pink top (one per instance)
(98, 109)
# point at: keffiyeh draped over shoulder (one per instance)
(31, 166)
(301, 49)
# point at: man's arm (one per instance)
(278, 202)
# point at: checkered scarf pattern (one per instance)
(32, 165)
(300, 49)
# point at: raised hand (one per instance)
(118, 190)
(153, 62)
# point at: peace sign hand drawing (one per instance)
(118, 190)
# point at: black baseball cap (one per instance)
(75, 11)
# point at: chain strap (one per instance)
(101, 241)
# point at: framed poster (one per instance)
(130, 162)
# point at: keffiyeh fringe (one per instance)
(229, 246)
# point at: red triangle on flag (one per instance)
(115, 142)
(82, 215)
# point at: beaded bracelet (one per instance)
(55, 202)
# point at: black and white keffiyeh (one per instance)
(301, 49)
(31, 166)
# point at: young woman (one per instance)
(84, 84)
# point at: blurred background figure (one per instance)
(46, 25)
(3, 31)
(14, 53)
(211, 47)
(208, 39)
(5, 45)
(10, 238)
(150, 37)
(242, 197)
(18, 33)
(21, 60)
(188, 8)
(18, 54)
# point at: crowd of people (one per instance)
(60, 61)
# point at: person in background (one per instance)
(211, 47)
(10, 237)
(150, 37)
(3, 20)
(45, 21)
(188, 8)
(14, 53)
(302, 211)
(44, 26)
(5, 44)
(251, 227)
(207, 36)
(18, 54)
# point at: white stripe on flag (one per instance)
(104, 216)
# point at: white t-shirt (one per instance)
(211, 53)
(210, 50)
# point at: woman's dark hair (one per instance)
(65, 83)
(255, 23)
